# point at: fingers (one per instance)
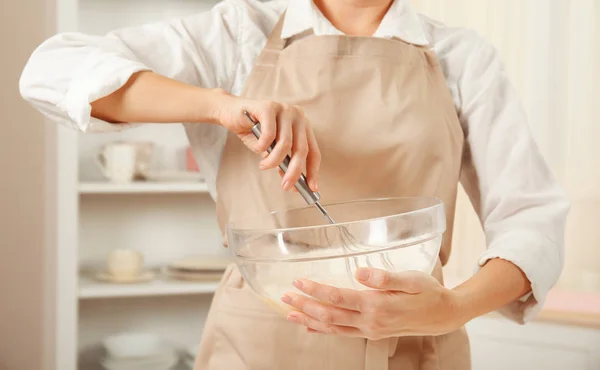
(281, 174)
(267, 116)
(285, 122)
(344, 298)
(288, 127)
(329, 315)
(313, 159)
(410, 282)
(315, 326)
(345, 312)
(299, 153)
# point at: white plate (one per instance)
(173, 176)
(195, 276)
(200, 263)
(141, 278)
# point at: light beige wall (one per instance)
(551, 51)
(26, 293)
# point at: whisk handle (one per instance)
(311, 197)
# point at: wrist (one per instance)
(211, 105)
(496, 284)
(462, 310)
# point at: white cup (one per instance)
(124, 263)
(118, 162)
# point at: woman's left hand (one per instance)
(404, 304)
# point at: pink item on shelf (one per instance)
(575, 302)
(190, 161)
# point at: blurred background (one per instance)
(67, 216)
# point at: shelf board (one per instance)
(89, 288)
(142, 187)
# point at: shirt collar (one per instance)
(401, 21)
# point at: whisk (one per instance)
(349, 243)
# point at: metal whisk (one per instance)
(349, 243)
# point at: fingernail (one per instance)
(286, 299)
(313, 185)
(262, 167)
(297, 284)
(293, 316)
(363, 274)
(286, 184)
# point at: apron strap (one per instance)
(275, 42)
(377, 354)
(269, 55)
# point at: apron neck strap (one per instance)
(275, 42)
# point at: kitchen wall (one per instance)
(26, 165)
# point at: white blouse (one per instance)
(521, 206)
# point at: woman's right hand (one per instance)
(282, 122)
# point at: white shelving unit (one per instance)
(164, 221)
(142, 188)
(92, 289)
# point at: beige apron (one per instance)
(387, 127)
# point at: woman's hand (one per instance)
(284, 123)
(404, 304)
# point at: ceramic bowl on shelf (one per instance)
(163, 362)
(135, 351)
(394, 234)
(133, 345)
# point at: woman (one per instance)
(390, 96)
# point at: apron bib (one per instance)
(387, 127)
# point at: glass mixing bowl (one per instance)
(394, 234)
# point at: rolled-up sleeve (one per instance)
(69, 71)
(520, 204)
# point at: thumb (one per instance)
(411, 282)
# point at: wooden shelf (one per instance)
(142, 188)
(89, 288)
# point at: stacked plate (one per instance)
(137, 351)
(198, 268)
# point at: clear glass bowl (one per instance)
(394, 234)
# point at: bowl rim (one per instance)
(437, 203)
(427, 237)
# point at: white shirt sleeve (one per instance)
(71, 70)
(521, 206)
